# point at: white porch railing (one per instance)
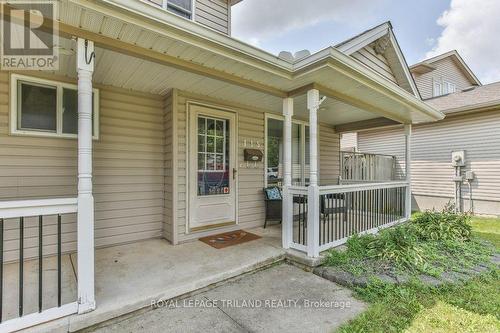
(344, 210)
(13, 214)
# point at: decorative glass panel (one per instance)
(37, 107)
(219, 145)
(211, 127)
(213, 156)
(202, 125)
(210, 144)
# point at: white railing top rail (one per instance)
(365, 154)
(26, 208)
(331, 189)
(298, 189)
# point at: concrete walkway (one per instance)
(279, 299)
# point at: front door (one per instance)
(212, 190)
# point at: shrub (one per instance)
(441, 226)
(399, 245)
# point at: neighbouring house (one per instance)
(471, 126)
(144, 133)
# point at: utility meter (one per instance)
(458, 158)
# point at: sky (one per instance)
(423, 28)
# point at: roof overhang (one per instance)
(422, 68)
(458, 60)
(164, 38)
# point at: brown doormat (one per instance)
(226, 239)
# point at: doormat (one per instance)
(226, 239)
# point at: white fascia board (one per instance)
(403, 63)
(394, 90)
(171, 25)
(361, 41)
(455, 54)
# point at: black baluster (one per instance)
(59, 275)
(21, 264)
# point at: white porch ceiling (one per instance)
(266, 78)
(127, 72)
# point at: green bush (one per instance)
(440, 226)
(431, 242)
(399, 245)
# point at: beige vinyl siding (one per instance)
(446, 70)
(250, 203)
(214, 14)
(432, 144)
(128, 172)
(376, 62)
(348, 141)
(329, 155)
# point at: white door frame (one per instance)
(190, 136)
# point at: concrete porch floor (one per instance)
(129, 277)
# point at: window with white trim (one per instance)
(47, 108)
(274, 156)
(449, 88)
(437, 89)
(182, 8)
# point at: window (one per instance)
(449, 88)
(182, 8)
(275, 151)
(213, 156)
(438, 88)
(47, 108)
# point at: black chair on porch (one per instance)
(274, 204)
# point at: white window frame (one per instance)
(14, 114)
(191, 13)
(303, 124)
(164, 5)
(434, 83)
(446, 87)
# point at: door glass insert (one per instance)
(213, 156)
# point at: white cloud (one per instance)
(472, 27)
(256, 20)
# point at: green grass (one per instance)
(488, 229)
(413, 307)
(446, 318)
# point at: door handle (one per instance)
(234, 173)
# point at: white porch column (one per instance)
(85, 215)
(313, 224)
(287, 223)
(408, 168)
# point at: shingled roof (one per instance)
(470, 99)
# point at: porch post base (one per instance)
(313, 221)
(85, 229)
